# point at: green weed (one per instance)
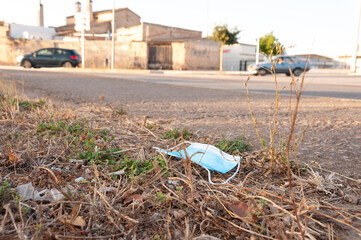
(233, 147)
(160, 197)
(95, 147)
(158, 237)
(85, 142)
(120, 110)
(6, 192)
(179, 190)
(176, 134)
(26, 105)
(64, 126)
(138, 167)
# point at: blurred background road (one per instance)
(172, 86)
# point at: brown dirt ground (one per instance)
(332, 138)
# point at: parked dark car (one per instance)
(51, 57)
(283, 64)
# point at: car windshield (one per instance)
(281, 59)
(286, 59)
(291, 60)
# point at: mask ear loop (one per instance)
(170, 149)
(209, 172)
(210, 177)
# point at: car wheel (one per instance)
(297, 72)
(67, 65)
(27, 64)
(288, 74)
(262, 72)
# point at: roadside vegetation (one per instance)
(90, 172)
(224, 35)
(269, 44)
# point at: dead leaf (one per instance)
(73, 218)
(83, 136)
(14, 158)
(74, 212)
(134, 198)
(240, 209)
(79, 222)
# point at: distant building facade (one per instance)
(322, 62)
(237, 57)
(151, 32)
(139, 45)
(167, 47)
(101, 23)
(31, 32)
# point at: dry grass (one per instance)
(150, 196)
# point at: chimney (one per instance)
(41, 15)
(89, 9)
(77, 6)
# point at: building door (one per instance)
(160, 56)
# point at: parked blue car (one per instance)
(283, 64)
(50, 57)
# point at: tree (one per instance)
(267, 44)
(223, 35)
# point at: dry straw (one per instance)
(128, 191)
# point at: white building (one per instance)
(31, 32)
(238, 56)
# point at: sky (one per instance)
(326, 27)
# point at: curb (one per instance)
(139, 71)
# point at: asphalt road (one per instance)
(169, 86)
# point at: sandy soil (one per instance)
(332, 138)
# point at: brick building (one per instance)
(138, 45)
(101, 23)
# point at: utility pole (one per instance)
(357, 40)
(41, 15)
(257, 51)
(221, 58)
(113, 36)
(82, 23)
(83, 43)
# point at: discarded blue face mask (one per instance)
(207, 156)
